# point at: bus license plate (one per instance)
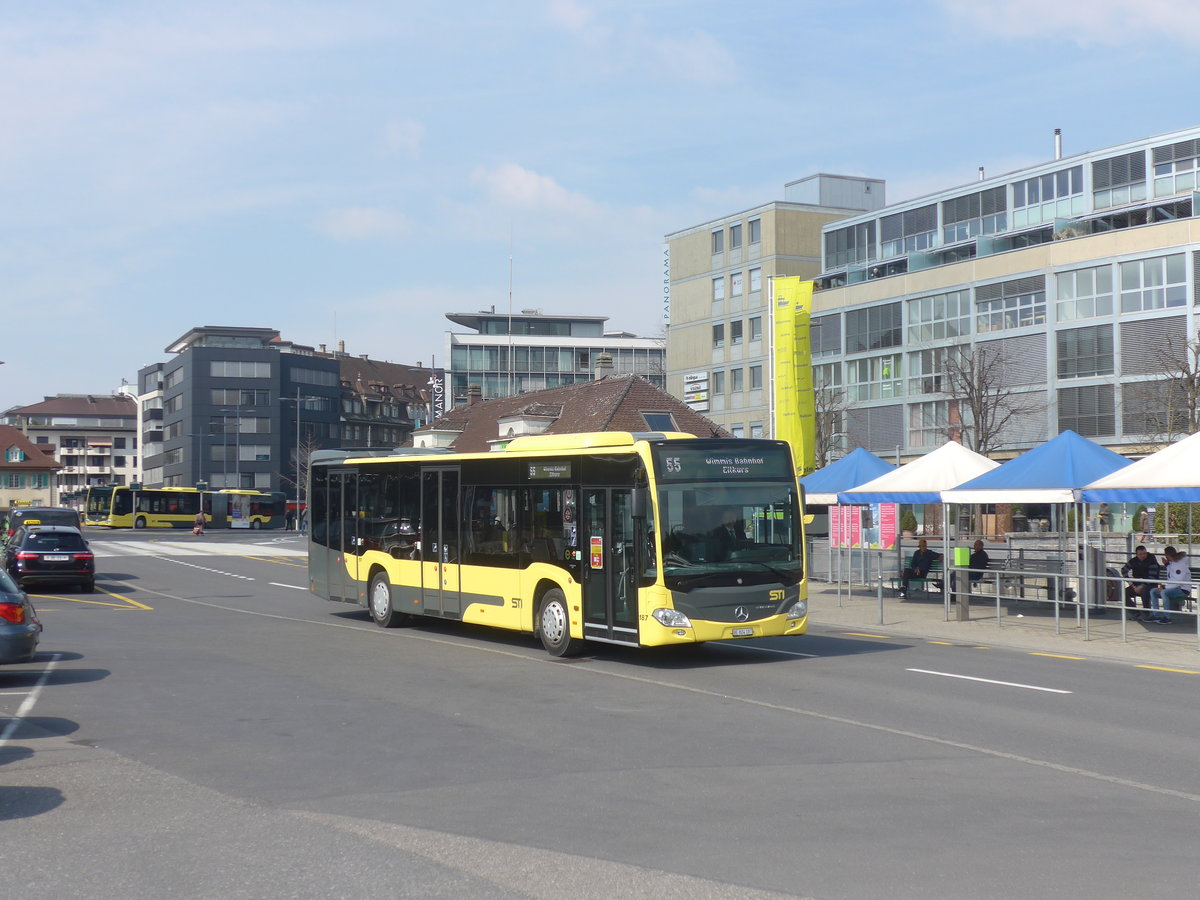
(743, 632)
(56, 557)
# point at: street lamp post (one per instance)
(296, 465)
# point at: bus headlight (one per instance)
(672, 618)
(799, 610)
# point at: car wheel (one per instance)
(554, 625)
(379, 599)
(139, 522)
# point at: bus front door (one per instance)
(609, 566)
(440, 543)
(344, 536)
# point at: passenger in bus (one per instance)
(729, 535)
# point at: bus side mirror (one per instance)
(638, 503)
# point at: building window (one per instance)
(16, 480)
(827, 376)
(1010, 304)
(908, 231)
(719, 334)
(755, 328)
(756, 430)
(1119, 180)
(659, 421)
(735, 237)
(737, 431)
(1153, 283)
(926, 367)
(756, 381)
(1055, 195)
(735, 284)
(236, 368)
(1084, 293)
(928, 423)
(847, 246)
(1175, 168)
(736, 381)
(1087, 410)
(826, 335)
(173, 404)
(312, 376)
(755, 280)
(1085, 351)
(718, 241)
(718, 382)
(718, 290)
(874, 378)
(940, 316)
(235, 397)
(755, 231)
(873, 328)
(974, 214)
(14, 454)
(735, 332)
(174, 377)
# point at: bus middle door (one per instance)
(441, 543)
(606, 536)
(344, 486)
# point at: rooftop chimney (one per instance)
(341, 346)
(981, 173)
(322, 346)
(604, 365)
(474, 394)
(1058, 143)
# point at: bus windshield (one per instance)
(725, 534)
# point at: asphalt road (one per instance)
(203, 727)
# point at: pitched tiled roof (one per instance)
(80, 405)
(38, 457)
(404, 382)
(615, 403)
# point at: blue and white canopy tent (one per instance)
(1172, 475)
(858, 467)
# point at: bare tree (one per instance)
(298, 482)
(982, 403)
(1167, 409)
(829, 407)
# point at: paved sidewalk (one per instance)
(1024, 625)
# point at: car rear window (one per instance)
(47, 517)
(7, 585)
(54, 540)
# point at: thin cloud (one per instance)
(404, 138)
(359, 223)
(1099, 22)
(516, 187)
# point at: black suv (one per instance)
(42, 515)
(39, 554)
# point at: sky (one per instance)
(354, 170)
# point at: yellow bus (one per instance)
(637, 539)
(123, 506)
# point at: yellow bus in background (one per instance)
(123, 506)
(635, 539)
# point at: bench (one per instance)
(934, 575)
(1020, 575)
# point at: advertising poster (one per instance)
(835, 526)
(889, 524)
(852, 531)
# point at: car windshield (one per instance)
(726, 534)
(54, 540)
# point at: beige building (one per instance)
(718, 339)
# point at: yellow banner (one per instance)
(795, 408)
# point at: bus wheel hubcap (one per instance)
(554, 622)
(382, 600)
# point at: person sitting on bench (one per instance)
(979, 562)
(918, 567)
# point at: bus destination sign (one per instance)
(552, 471)
(735, 460)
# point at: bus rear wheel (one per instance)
(379, 599)
(554, 625)
(255, 524)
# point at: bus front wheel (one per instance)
(139, 522)
(379, 599)
(255, 524)
(554, 625)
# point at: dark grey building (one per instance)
(229, 407)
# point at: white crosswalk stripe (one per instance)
(104, 549)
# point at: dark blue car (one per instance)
(19, 625)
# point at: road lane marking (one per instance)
(1027, 687)
(128, 602)
(882, 637)
(294, 587)
(28, 703)
(532, 658)
(1058, 656)
(1166, 669)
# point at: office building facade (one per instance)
(1076, 280)
(718, 347)
(546, 351)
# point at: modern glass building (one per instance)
(546, 351)
(1080, 276)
